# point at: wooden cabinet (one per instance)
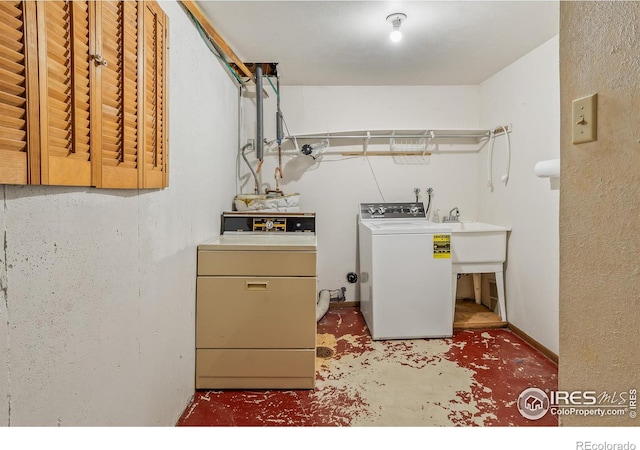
(86, 93)
(65, 92)
(155, 97)
(18, 93)
(118, 157)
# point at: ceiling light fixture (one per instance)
(396, 20)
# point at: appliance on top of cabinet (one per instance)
(267, 222)
(256, 303)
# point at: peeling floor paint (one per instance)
(472, 379)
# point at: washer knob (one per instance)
(414, 210)
(382, 210)
(269, 224)
(371, 210)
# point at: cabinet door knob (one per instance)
(98, 60)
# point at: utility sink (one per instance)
(477, 242)
(478, 248)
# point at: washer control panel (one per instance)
(392, 210)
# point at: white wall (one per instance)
(334, 188)
(527, 95)
(101, 283)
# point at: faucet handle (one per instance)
(453, 217)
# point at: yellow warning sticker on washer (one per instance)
(442, 246)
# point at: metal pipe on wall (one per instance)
(259, 129)
(279, 134)
(279, 130)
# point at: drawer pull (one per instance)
(257, 285)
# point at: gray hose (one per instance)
(253, 172)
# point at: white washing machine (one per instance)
(405, 272)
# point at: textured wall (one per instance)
(599, 208)
(527, 95)
(101, 283)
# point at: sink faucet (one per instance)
(453, 217)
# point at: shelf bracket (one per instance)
(501, 129)
(365, 143)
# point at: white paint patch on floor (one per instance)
(400, 383)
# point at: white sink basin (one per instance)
(477, 242)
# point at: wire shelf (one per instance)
(410, 151)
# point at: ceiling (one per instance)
(347, 42)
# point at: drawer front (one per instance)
(257, 263)
(243, 312)
(255, 369)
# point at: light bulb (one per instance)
(396, 20)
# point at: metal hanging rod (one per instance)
(424, 134)
(405, 142)
(397, 136)
(388, 136)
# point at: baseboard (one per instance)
(517, 331)
(338, 305)
(532, 342)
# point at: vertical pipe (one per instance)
(279, 133)
(259, 130)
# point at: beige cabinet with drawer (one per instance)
(255, 314)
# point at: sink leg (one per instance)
(501, 300)
(477, 287)
(454, 288)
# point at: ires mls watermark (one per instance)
(534, 403)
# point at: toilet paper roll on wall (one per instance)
(548, 168)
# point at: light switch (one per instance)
(585, 115)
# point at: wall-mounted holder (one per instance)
(549, 169)
(499, 131)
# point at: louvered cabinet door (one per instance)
(155, 97)
(65, 86)
(18, 93)
(116, 160)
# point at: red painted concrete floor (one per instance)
(471, 379)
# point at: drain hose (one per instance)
(324, 298)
